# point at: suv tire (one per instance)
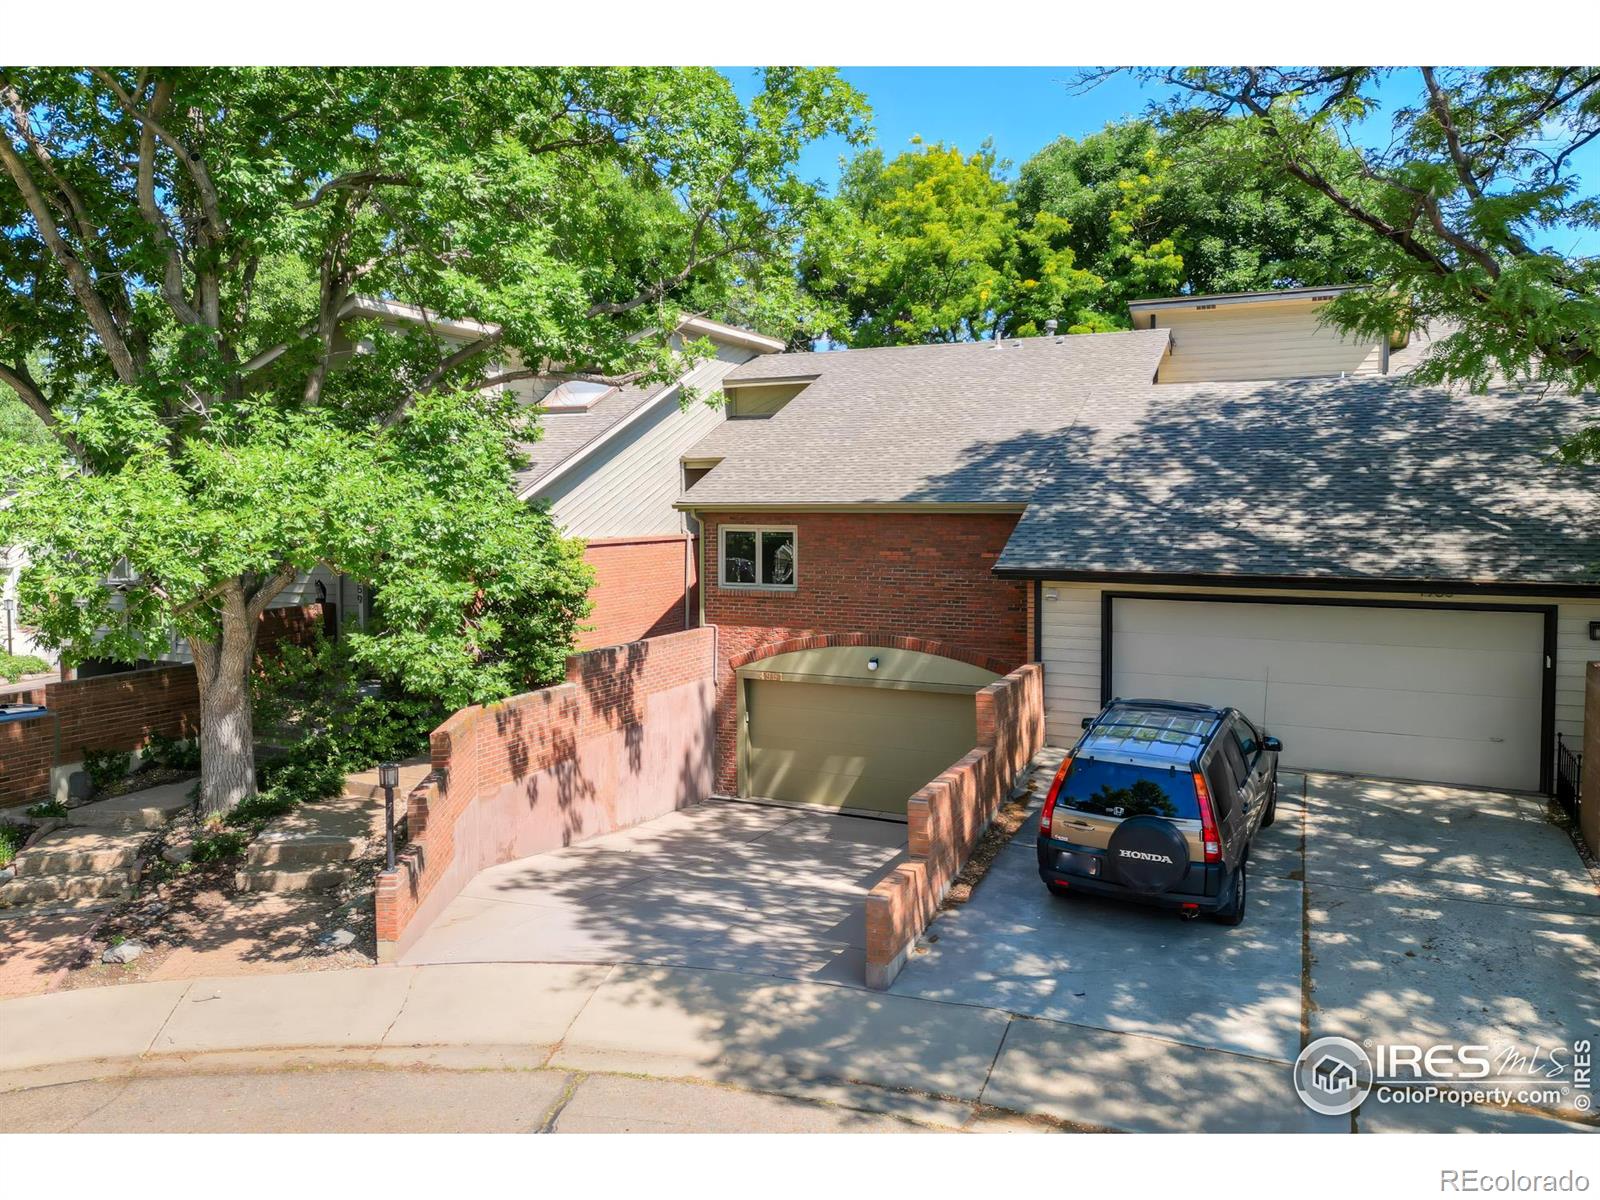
(1233, 912)
(1271, 815)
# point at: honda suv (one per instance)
(1157, 803)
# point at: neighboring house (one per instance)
(1394, 579)
(606, 463)
(15, 637)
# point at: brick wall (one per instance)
(115, 712)
(945, 819)
(918, 575)
(626, 739)
(638, 588)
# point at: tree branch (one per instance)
(145, 191)
(92, 303)
(261, 599)
(352, 179)
(450, 363)
(210, 206)
(21, 381)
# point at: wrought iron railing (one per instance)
(1569, 778)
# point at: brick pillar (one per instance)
(1589, 812)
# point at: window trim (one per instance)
(758, 530)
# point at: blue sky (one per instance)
(1024, 108)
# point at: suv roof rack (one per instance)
(1180, 705)
(1165, 732)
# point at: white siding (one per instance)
(1258, 341)
(627, 486)
(1071, 635)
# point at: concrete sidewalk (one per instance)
(933, 1062)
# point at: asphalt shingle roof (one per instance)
(1355, 478)
(564, 434)
(960, 423)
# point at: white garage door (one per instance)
(1452, 696)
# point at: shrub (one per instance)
(14, 666)
(11, 839)
(47, 808)
(105, 767)
(216, 845)
(316, 701)
(172, 753)
(255, 812)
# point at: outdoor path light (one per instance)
(388, 779)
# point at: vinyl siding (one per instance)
(1071, 646)
(626, 486)
(1258, 341)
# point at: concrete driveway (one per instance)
(722, 886)
(1378, 910)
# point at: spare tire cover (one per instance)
(1148, 854)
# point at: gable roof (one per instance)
(1318, 479)
(916, 424)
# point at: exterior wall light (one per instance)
(872, 664)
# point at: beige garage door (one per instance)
(1452, 696)
(851, 747)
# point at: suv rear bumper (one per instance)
(1083, 869)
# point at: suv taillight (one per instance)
(1208, 820)
(1047, 816)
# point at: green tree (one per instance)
(1467, 211)
(925, 247)
(179, 249)
(1157, 213)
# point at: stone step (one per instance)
(151, 808)
(364, 784)
(277, 879)
(73, 851)
(307, 850)
(53, 889)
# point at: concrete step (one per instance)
(307, 850)
(148, 809)
(277, 879)
(54, 889)
(364, 784)
(73, 851)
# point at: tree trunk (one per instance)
(227, 739)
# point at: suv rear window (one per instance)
(1111, 789)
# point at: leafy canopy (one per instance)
(925, 247)
(1465, 214)
(181, 252)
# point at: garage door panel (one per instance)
(1453, 695)
(1249, 696)
(893, 723)
(1462, 629)
(1420, 669)
(853, 747)
(1396, 757)
(1406, 713)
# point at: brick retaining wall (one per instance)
(115, 712)
(946, 818)
(628, 738)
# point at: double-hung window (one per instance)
(752, 556)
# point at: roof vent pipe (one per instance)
(1050, 326)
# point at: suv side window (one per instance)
(1224, 787)
(1235, 756)
(1249, 746)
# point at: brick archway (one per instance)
(890, 641)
